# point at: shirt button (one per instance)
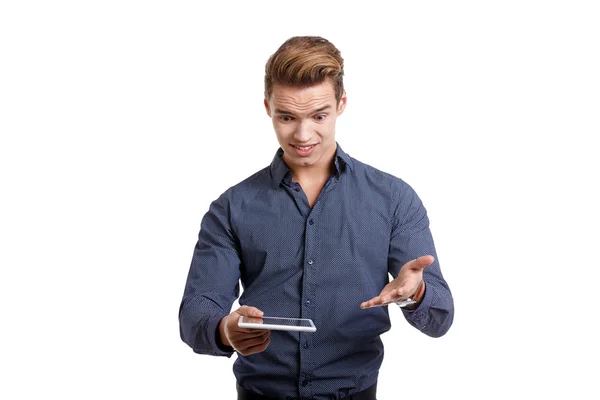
(297, 189)
(308, 302)
(311, 222)
(306, 345)
(305, 382)
(310, 262)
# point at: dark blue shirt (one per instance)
(319, 263)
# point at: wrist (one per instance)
(222, 335)
(420, 292)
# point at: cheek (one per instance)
(327, 128)
(282, 137)
(283, 130)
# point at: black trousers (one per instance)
(367, 394)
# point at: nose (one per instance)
(303, 132)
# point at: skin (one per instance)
(244, 341)
(404, 286)
(302, 117)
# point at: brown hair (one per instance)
(305, 61)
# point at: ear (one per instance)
(267, 108)
(342, 104)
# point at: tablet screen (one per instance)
(278, 321)
(277, 324)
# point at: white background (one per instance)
(121, 121)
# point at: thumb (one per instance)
(421, 262)
(249, 311)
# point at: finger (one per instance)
(250, 331)
(368, 304)
(256, 349)
(398, 295)
(402, 293)
(377, 304)
(386, 290)
(251, 346)
(244, 333)
(243, 341)
(250, 311)
(420, 263)
(371, 303)
(234, 325)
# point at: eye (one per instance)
(285, 118)
(320, 117)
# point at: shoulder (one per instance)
(248, 188)
(377, 178)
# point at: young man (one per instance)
(313, 235)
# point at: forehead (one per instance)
(302, 98)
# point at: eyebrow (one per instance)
(280, 111)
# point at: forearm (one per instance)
(200, 326)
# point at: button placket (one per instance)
(308, 297)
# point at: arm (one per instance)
(212, 283)
(410, 239)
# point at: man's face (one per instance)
(304, 121)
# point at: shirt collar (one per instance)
(279, 170)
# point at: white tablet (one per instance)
(401, 303)
(277, 324)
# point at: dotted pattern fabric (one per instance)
(319, 263)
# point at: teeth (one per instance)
(304, 148)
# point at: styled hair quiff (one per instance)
(305, 61)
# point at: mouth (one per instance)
(304, 148)
(304, 151)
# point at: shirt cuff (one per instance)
(420, 315)
(212, 331)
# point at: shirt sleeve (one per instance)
(212, 283)
(410, 239)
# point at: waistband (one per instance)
(245, 394)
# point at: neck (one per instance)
(312, 174)
(318, 172)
